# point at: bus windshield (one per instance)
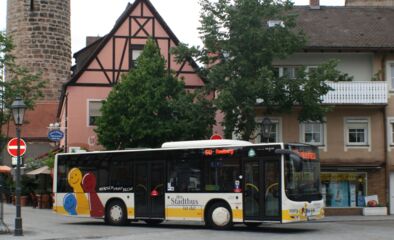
(302, 183)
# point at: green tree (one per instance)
(20, 82)
(150, 106)
(239, 49)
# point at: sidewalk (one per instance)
(356, 218)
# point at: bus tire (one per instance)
(116, 213)
(153, 221)
(219, 216)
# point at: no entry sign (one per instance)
(12, 147)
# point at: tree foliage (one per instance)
(20, 82)
(150, 106)
(238, 54)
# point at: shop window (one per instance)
(357, 131)
(344, 189)
(312, 133)
(94, 111)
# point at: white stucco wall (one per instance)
(358, 65)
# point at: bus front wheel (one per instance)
(116, 213)
(219, 216)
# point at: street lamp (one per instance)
(266, 125)
(18, 111)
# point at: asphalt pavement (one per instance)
(44, 224)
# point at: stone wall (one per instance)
(40, 30)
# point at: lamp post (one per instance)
(266, 128)
(18, 111)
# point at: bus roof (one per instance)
(205, 143)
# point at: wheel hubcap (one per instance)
(116, 213)
(221, 216)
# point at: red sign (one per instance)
(216, 137)
(12, 147)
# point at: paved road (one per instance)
(43, 224)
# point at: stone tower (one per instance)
(377, 3)
(40, 30)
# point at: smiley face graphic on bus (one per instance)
(74, 180)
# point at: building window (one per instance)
(357, 131)
(312, 133)
(291, 71)
(346, 189)
(94, 111)
(391, 132)
(274, 132)
(286, 71)
(392, 76)
(135, 52)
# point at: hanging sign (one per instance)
(55, 135)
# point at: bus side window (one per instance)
(221, 173)
(184, 174)
(121, 175)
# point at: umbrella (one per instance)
(5, 169)
(41, 170)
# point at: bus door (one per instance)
(262, 189)
(149, 189)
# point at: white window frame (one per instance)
(390, 76)
(88, 111)
(390, 133)
(322, 133)
(274, 120)
(135, 52)
(367, 138)
(282, 67)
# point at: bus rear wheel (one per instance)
(219, 216)
(116, 213)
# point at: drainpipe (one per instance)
(386, 157)
(66, 124)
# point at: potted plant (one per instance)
(374, 208)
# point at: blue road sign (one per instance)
(55, 135)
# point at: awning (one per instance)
(5, 169)
(41, 170)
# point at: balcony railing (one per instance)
(357, 93)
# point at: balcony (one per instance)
(370, 93)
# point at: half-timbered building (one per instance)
(101, 63)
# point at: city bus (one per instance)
(219, 182)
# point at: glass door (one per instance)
(149, 191)
(262, 189)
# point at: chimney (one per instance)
(314, 4)
(90, 40)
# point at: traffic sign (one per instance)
(216, 137)
(55, 135)
(12, 147)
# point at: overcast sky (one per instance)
(97, 17)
